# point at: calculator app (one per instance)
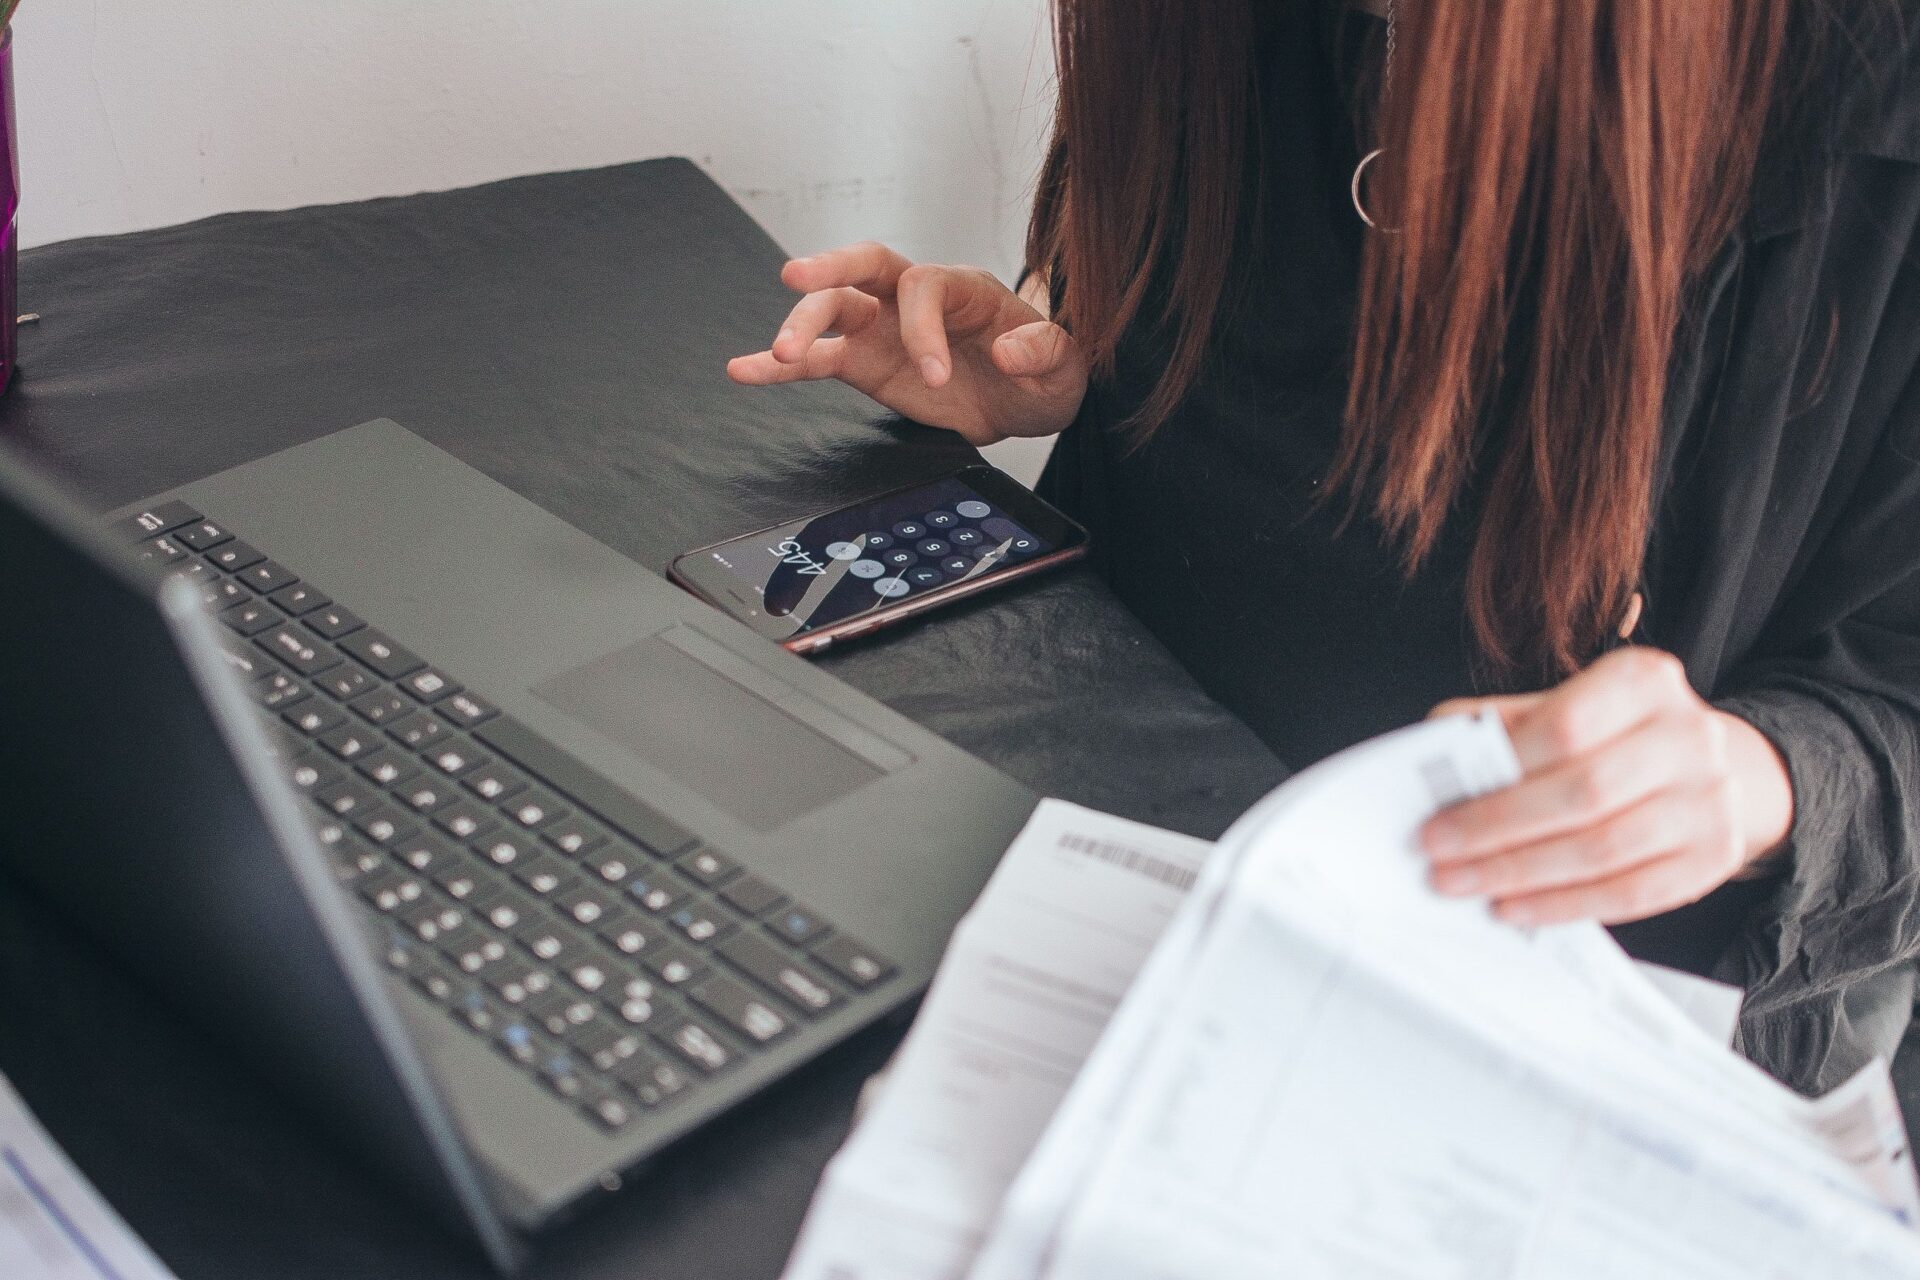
(814, 573)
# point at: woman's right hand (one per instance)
(948, 346)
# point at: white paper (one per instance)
(1323, 1069)
(1027, 986)
(53, 1224)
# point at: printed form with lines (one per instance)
(1148, 1058)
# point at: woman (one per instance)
(1563, 355)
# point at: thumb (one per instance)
(1510, 707)
(1034, 350)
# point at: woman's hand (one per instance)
(1637, 797)
(948, 346)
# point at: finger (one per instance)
(824, 359)
(1509, 706)
(1573, 795)
(1666, 822)
(1646, 890)
(925, 294)
(846, 310)
(867, 266)
(1602, 702)
(1038, 350)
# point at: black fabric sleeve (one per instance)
(1839, 696)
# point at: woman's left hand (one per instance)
(1636, 797)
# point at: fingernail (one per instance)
(931, 369)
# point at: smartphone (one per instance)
(810, 583)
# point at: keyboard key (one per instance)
(647, 826)
(604, 1108)
(474, 1008)
(505, 909)
(345, 682)
(545, 874)
(301, 598)
(797, 925)
(301, 652)
(634, 1001)
(383, 890)
(198, 572)
(429, 685)
(623, 931)
(456, 759)
(549, 940)
(698, 1043)
(587, 906)
(504, 849)
(418, 731)
(471, 949)
(158, 553)
(604, 1043)
(700, 922)
(426, 854)
(311, 771)
(348, 743)
(222, 594)
(202, 535)
(456, 881)
(424, 794)
(573, 835)
(312, 717)
(852, 960)
(235, 555)
(650, 1079)
(494, 782)
(333, 622)
(462, 821)
(466, 710)
(268, 576)
(672, 964)
(752, 895)
(251, 617)
(517, 1039)
(381, 652)
(163, 518)
(560, 1010)
(741, 1008)
(516, 981)
(560, 1072)
(385, 768)
(613, 864)
(346, 798)
(707, 866)
(798, 984)
(383, 707)
(384, 825)
(656, 891)
(534, 809)
(589, 975)
(278, 691)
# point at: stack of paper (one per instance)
(1311, 1065)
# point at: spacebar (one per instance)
(565, 774)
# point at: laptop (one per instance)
(511, 861)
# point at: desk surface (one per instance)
(565, 334)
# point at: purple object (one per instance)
(10, 207)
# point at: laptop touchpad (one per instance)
(753, 759)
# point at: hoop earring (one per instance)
(1359, 205)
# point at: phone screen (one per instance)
(827, 569)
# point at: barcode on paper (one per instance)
(1129, 858)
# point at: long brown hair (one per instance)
(1557, 174)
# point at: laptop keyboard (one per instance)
(590, 939)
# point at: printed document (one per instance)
(1311, 1065)
(53, 1224)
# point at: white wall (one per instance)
(913, 121)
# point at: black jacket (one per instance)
(1784, 562)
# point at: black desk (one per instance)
(567, 335)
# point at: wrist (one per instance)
(1763, 789)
